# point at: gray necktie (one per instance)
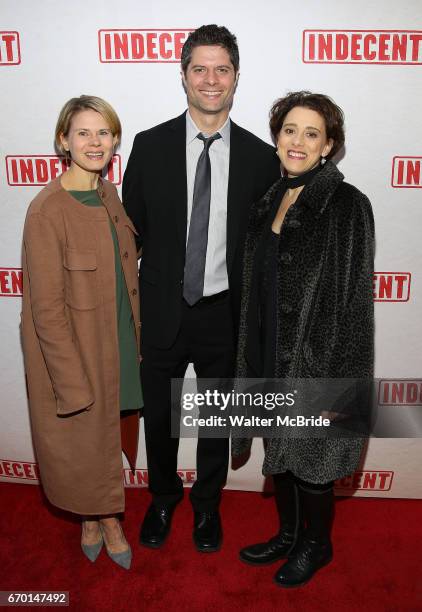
(196, 249)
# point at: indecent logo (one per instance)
(366, 480)
(391, 286)
(10, 52)
(400, 392)
(139, 478)
(38, 170)
(406, 172)
(10, 282)
(362, 47)
(151, 46)
(18, 469)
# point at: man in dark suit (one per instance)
(188, 187)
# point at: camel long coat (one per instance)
(70, 344)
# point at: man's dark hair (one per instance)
(211, 35)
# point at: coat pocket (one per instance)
(81, 291)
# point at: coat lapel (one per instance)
(317, 194)
(237, 196)
(175, 155)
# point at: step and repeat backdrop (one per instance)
(366, 55)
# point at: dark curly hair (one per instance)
(322, 104)
(210, 35)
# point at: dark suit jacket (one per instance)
(155, 198)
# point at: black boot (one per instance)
(314, 549)
(279, 547)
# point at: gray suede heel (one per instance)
(92, 550)
(124, 559)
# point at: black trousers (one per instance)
(205, 339)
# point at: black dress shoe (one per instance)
(156, 526)
(207, 532)
(278, 547)
(308, 558)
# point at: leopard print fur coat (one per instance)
(325, 318)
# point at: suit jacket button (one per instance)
(116, 218)
(134, 292)
(125, 254)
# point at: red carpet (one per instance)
(377, 564)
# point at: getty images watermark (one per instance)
(226, 402)
(270, 408)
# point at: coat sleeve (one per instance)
(132, 193)
(44, 262)
(242, 446)
(353, 353)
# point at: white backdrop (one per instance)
(366, 54)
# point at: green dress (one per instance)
(130, 382)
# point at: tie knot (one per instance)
(208, 141)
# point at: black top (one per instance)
(267, 289)
(268, 304)
(268, 275)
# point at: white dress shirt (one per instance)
(216, 279)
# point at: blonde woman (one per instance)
(80, 330)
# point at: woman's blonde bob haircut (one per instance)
(76, 105)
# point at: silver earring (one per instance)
(323, 160)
